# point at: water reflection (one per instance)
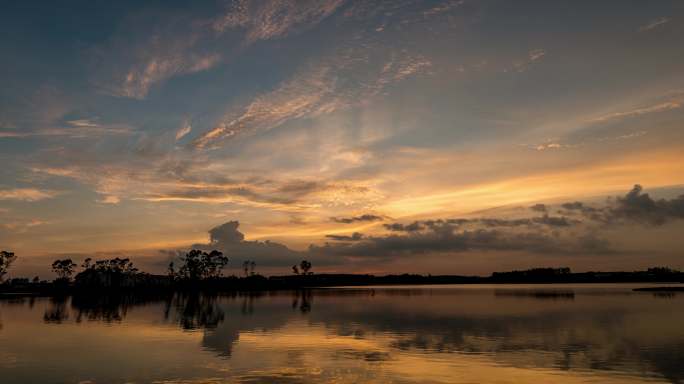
(57, 311)
(384, 335)
(536, 294)
(194, 311)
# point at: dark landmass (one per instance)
(92, 280)
(659, 289)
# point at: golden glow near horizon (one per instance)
(369, 335)
(432, 111)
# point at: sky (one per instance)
(460, 137)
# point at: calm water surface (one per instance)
(447, 334)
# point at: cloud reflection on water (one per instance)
(506, 334)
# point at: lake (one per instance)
(416, 334)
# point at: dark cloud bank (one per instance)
(635, 207)
(355, 219)
(574, 231)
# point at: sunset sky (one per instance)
(459, 137)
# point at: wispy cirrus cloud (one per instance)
(22, 226)
(186, 45)
(533, 56)
(317, 90)
(184, 130)
(556, 144)
(162, 48)
(26, 194)
(308, 94)
(655, 108)
(192, 183)
(138, 80)
(75, 129)
(292, 196)
(273, 19)
(654, 24)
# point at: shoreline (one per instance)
(664, 286)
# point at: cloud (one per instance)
(538, 208)
(229, 240)
(656, 108)
(573, 205)
(109, 199)
(399, 227)
(431, 236)
(26, 194)
(634, 207)
(354, 219)
(75, 129)
(272, 19)
(545, 220)
(151, 48)
(327, 86)
(195, 179)
(22, 226)
(551, 221)
(226, 234)
(543, 147)
(578, 206)
(288, 195)
(533, 56)
(138, 80)
(654, 24)
(182, 45)
(447, 239)
(536, 54)
(184, 130)
(356, 236)
(639, 207)
(542, 235)
(554, 144)
(308, 94)
(82, 123)
(444, 7)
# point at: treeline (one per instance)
(204, 270)
(565, 275)
(197, 269)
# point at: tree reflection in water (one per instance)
(194, 310)
(562, 329)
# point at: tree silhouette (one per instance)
(171, 270)
(6, 260)
(295, 269)
(115, 265)
(305, 266)
(64, 269)
(198, 265)
(248, 267)
(107, 273)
